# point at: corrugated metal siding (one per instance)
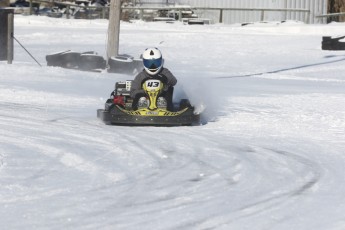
(316, 7)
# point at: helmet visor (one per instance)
(153, 63)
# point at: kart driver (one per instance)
(153, 69)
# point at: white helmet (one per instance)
(153, 61)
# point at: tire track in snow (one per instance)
(180, 180)
(56, 160)
(277, 199)
(175, 177)
(1, 160)
(19, 130)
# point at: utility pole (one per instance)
(10, 38)
(6, 34)
(114, 28)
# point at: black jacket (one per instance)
(164, 75)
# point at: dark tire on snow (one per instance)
(66, 59)
(55, 59)
(91, 62)
(120, 64)
(74, 60)
(89, 52)
(70, 60)
(124, 64)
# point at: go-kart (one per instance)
(152, 109)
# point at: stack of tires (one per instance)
(88, 61)
(124, 64)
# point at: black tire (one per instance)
(70, 60)
(55, 59)
(89, 52)
(91, 62)
(66, 59)
(54, 14)
(124, 64)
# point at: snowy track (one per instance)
(270, 154)
(134, 183)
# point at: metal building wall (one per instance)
(317, 7)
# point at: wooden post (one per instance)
(306, 17)
(286, 12)
(141, 16)
(10, 39)
(30, 5)
(103, 12)
(67, 11)
(114, 29)
(221, 16)
(262, 15)
(6, 34)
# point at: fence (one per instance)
(104, 10)
(333, 16)
(316, 7)
(221, 10)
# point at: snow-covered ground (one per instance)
(270, 153)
